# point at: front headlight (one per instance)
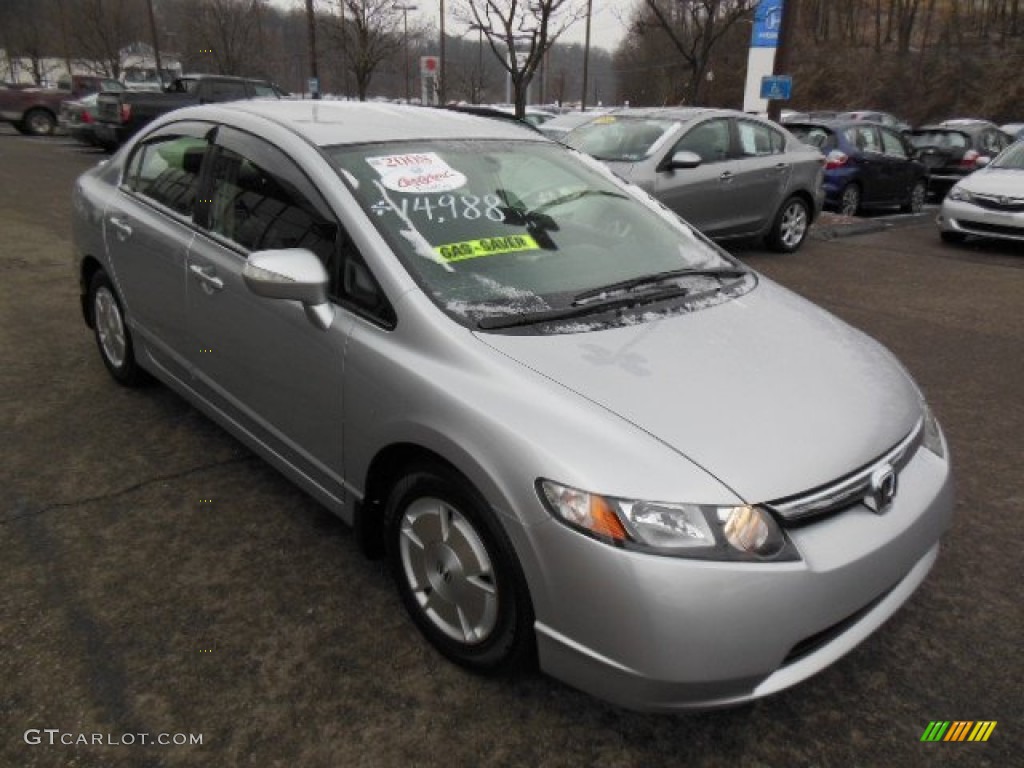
(703, 531)
(960, 194)
(932, 439)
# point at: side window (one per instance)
(263, 91)
(166, 170)
(893, 145)
(756, 139)
(223, 90)
(710, 140)
(864, 138)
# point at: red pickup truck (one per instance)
(34, 110)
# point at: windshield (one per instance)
(509, 228)
(624, 139)
(1012, 158)
(938, 139)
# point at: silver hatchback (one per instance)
(581, 432)
(729, 174)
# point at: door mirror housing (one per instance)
(295, 274)
(682, 159)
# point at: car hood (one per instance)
(767, 392)
(996, 181)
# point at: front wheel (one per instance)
(39, 122)
(456, 572)
(112, 335)
(792, 223)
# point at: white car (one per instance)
(989, 202)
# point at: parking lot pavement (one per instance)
(158, 579)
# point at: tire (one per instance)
(456, 571)
(112, 335)
(849, 201)
(792, 223)
(39, 122)
(953, 238)
(918, 193)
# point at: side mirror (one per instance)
(295, 274)
(682, 159)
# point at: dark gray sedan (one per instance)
(729, 174)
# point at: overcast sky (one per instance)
(607, 25)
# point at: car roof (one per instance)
(327, 123)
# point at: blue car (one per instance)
(867, 165)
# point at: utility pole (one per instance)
(441, 101)
(781, 64)
(156, 44)
(312, 48)
(405, 40)
(586, 59)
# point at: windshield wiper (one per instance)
(611, 290)
(576, 195)
(573, 310)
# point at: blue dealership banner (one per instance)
(767, 22)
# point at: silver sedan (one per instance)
(582, 434)
(729, 174)
(988, 203)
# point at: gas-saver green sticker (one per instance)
(486, 246)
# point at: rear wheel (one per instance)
(112, 335)
(39, 122)
(456, 571)
(791, 225)
(849, 202)
(915, 202)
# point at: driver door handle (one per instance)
(726, 176)
(207, 276)
(124, 230)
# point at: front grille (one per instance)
(849, 490)
(998, 202)
(993, 229)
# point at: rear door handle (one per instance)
(726, 176)
(124, 230)
(207, 276)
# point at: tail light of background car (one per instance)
(836, 159)
(126, 113)
(970, 159)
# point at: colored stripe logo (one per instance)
(958, 730)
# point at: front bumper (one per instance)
(667, 634)
(969, 219)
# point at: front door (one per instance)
(260, 361)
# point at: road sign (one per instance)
(314, 85)
(767, 23)
(777, 87)
(429, 66)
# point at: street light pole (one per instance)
(441, 86)
(405, 41)
(586, 60)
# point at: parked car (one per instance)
(866, 165)
(988, 203)
(558, 128)
(78, 119)
(122, 115)
(575, 426)
(874, 116)
(35, 111)
(952, 150)
(729, 174)
(1013, 130)
(790, 116)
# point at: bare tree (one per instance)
(27, 32)
(366, 33)
(695, 27)
(519, 33)
(102, 28)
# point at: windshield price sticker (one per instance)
(446, 208)
(416, 172)
(487, 246)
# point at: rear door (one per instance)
(901, 171)
(260, 361)
(873, 177)
(148, 229)
(761, 175)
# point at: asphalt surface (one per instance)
(158, 578)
